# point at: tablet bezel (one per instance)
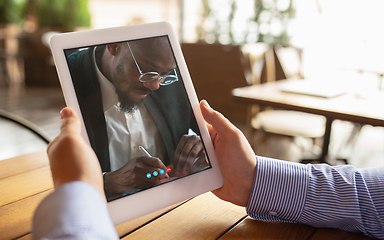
(158, 197)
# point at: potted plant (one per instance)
(11, 12)
(48, 16)
(63, 15)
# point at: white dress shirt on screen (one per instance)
(127, 131)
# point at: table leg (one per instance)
(323, 158)
(326, 140)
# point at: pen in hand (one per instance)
(146, 153)
(143, 150)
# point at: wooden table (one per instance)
(26, 180)
(346, 106)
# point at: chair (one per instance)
(11, 61)
(25, 124)
(290, 61)
(215, 70)
(281, 63)
(17, 140)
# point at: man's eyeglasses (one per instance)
(150, 76)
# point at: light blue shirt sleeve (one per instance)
(319, 195)
(76, 210)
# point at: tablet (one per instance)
(131, 89)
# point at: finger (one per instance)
(70, 125)
(152, 165)
(211, 131)
(142, 174)
(178, 151)
(156, 173)
(152, 162)
(69, 122)
(188, 154)
(200, 160)
(184, 150)
(194, 157)
(162, 173)
(141, 180)
(221, 125)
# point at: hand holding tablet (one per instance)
(130, 87)
(71, 159)
(230, 145)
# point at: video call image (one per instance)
(137, 114)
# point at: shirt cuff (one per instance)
(279, 191)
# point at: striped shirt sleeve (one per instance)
(319, 195)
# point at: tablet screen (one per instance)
(136, 113)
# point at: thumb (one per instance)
(219, 123)
(69, 122)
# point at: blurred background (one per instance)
(226, 44)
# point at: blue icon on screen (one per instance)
(148, 175)
(155, 173)
(162, 171)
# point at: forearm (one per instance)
(75, 210)
(319, 195)
(346, 197)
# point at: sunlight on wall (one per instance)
(341, 39)
(112, 13)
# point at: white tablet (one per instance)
(131, 88)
